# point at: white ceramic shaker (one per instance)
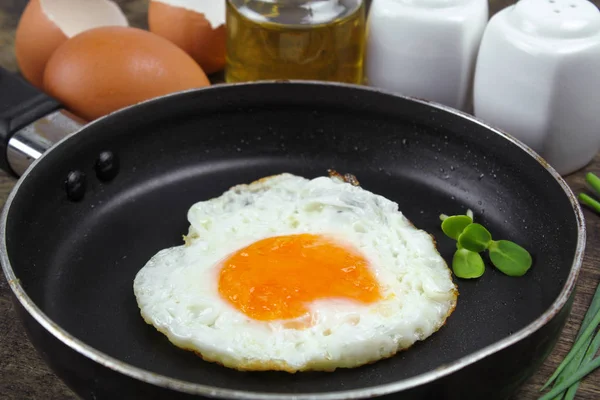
(425, 48)
(538, 78)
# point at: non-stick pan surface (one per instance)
(77, 260)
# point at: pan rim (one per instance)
(379, 390)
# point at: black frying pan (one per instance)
(71, 261)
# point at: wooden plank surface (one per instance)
(23, 375)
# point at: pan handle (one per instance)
(30, 123)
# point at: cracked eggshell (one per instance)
(46, 24)
(196, 26)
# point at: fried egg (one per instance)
(296, 274)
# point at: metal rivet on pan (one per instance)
(107, 166)
(75, 185)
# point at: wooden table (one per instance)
(23, 375)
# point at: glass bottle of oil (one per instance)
(295, 39)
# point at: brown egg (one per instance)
(197, 27)
(108, 68)
(46, 24)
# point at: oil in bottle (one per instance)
(295, 39)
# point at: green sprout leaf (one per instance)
(467, 264)
(453, 226)
(475, 238)
(509, 257)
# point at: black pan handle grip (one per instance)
(21, 104)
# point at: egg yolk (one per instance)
(276, 278)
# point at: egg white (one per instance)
(177, 290)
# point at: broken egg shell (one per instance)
(46, 24)
(198, 28)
